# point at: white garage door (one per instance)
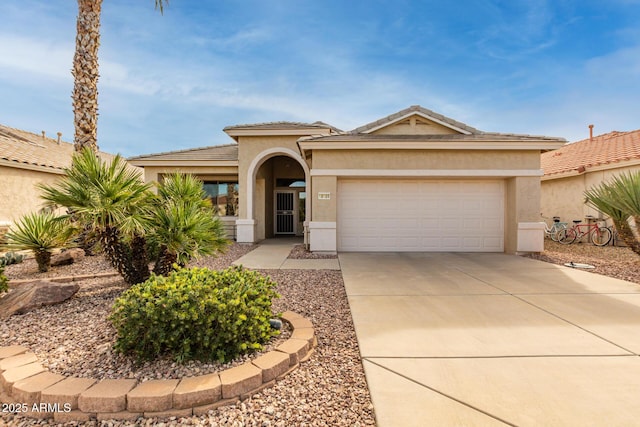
(420, 215)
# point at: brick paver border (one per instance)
(73, 399)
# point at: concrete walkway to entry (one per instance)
(494, 340)
(271, 254)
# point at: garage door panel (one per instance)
(420, 215)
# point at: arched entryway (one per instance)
(277, 184)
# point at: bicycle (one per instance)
(553, 231)
(598, 235)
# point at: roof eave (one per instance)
(344, 144)
(185, 163)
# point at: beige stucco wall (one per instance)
(18, 192)
(428, 159)
(564, 197)
(249, 148)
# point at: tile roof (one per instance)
(415, 109)
(26, 148)
(480, 137)
(227, 152)
(280, 125)
(605, 149)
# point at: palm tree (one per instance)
(620, 200)
(40, 233)
(183, 223)
(111, 199)
(86, 73)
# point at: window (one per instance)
(223, 196)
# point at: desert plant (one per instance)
(110, 200)
(183, 225)
(11, 258)
(195, 313)
(41, 233)
(619, 199)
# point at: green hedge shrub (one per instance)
(195, 313)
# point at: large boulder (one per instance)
(67, 257)
(31, 295)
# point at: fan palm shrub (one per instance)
(183, 223)
(41, 233)
(111, 200)
(619, 199)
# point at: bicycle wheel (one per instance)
(567, 236)
(555, 233)
(600, 236)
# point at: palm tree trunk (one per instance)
(140, 259)
(626, 234)
(165, 261)
(118, 254)
(85, 73)
(43, 258)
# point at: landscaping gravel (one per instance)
(613, 261)
(299, 252)
(74, 338)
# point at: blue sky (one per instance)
(173, 81)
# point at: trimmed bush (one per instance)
(195, 313)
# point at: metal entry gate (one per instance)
(285, 212)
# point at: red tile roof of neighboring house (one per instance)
(605, 149)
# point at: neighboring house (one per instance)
(577, 167)
(412, 181)
(26, 160)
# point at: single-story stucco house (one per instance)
(412, 181)
(579, 166)
(26, 160)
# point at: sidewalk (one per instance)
(271, 254)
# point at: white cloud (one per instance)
(49, 59)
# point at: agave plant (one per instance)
(41, 233)
(619, 199)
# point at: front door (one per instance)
(285, 205)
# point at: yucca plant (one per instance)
(619, 199)
(41, 233)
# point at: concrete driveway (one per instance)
(494, 339)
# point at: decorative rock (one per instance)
(151, 396)
(106, 396)
(67, 257)
(32, 295)
(178, 413)
(275, 324)
(197, 391)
